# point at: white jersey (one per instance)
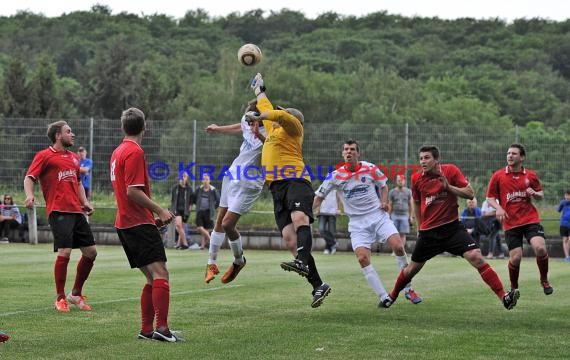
(358, 189)
(249, 159)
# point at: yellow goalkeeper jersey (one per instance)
(282, 155)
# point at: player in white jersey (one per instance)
(241, 186)
(358, 181)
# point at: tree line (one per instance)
(375, 68)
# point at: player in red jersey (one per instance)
(57, 169)
(514, 187)
(137, 227)
(435, 190)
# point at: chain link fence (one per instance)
(477, 150)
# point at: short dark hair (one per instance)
(251, 106)
(132, 121)
(352, 142)
(520, 147)
(434, 150)
(54, 129)
(567, 191)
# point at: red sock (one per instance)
(147, 310)
(84, 267)
(542, 263)
(400, 284)
(491, 278)
(60, 275)
(514, 275)
(161, 302)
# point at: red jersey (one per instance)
(509, 188)
(58, 173)
(128, 168)
(438, 206)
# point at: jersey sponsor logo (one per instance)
(358, 190)
(65, 174)
(431, 199)
(516, 196)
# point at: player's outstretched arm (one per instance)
(224, 129)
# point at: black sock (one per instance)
(304, 243)
(313, 278)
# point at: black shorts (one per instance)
(514, 236)
(203, 219)
(70, 230)
(142, 244)
(181, 213)
(289, 196)
(451, 237)
(564, 231)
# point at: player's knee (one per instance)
(299, 218)
(474, 257)
(540, 251)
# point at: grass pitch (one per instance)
(265, 313)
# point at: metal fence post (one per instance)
(33, 226)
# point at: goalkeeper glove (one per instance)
(257, 84)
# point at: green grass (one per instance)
(266, 313)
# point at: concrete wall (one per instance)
(271, 240)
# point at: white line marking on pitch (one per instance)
(120, 300)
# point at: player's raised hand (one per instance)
(257, 84)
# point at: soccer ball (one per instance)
(249, 55)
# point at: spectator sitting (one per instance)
(10, 218)
(470, 216)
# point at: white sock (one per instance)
(402, 262)
(216, 241)
(374, 281)
(237, 249)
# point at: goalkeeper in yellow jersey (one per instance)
(284, 171)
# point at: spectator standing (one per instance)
(492, 226)
(207, 200)
(400, 208)
(85, 168)
(181, 206)
(564, 210)
(327, 212)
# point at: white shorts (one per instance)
(365, 230)
(238, 198)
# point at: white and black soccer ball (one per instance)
(249, 55)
